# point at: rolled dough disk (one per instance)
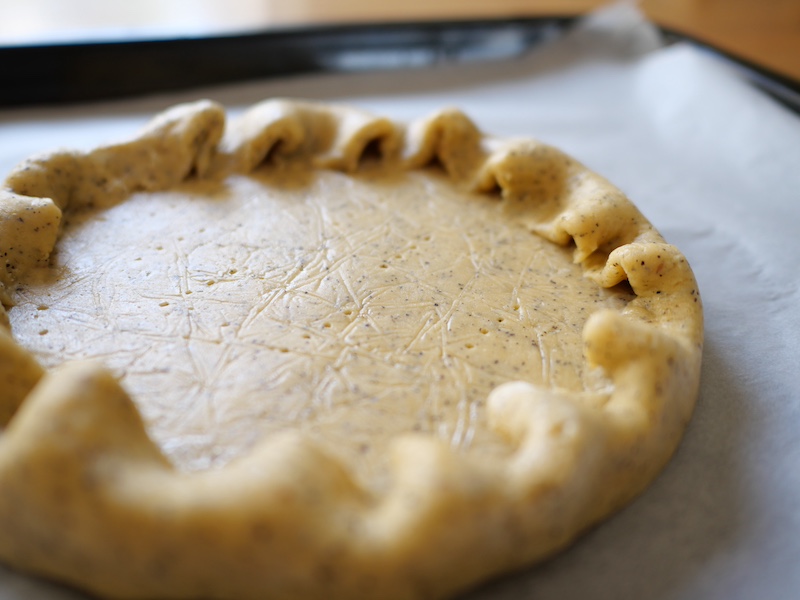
(317, 354)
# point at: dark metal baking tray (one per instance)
(76, 72)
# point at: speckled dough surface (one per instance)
(314, 353)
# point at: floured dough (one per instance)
(317, 354)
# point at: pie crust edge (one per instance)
(87, 498)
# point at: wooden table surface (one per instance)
(763, 32)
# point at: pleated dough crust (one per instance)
(87, 498)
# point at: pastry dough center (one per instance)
(351, 308)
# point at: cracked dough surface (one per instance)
(316, 301)
(346, 374)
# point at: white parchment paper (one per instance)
(715, 165)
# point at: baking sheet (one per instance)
(715, 165)
(114, 64)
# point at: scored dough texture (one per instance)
(87, 497)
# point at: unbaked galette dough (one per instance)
(313, 353)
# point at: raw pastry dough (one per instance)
(317, 354)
